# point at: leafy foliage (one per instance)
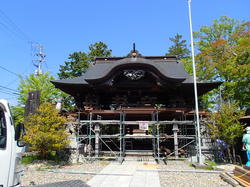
(80, 61)
(78, 64)
(225, 56)
(32, 83)
(221, 28)
(187, 63)
(37, 82)
(179, 47)
(18, 114)
(98, 49)
(45, 131)
(225, 125)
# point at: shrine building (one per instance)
(136, 105)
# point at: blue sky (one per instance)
(64, 26)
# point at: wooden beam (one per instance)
(139, 110)
(117, 122)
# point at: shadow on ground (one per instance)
(72, 183)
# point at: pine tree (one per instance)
(179, 47)
(79, 61)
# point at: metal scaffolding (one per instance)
(93, 138)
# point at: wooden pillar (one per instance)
(175, 131)
(97, 139)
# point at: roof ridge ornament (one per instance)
(134, 53)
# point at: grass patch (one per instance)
(190, 164)
(209, 165)
(29, 159)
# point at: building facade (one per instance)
(136, 105)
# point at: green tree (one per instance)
(179, 47)
(225, 56)
(79, 61)
(18, 114)
(98, 49)
(45, 131)
(221, 28)
(77, 64)
(33, 83)
(225, 125)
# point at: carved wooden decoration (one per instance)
(134, 74)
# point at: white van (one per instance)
(10, 148)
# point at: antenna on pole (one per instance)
(40, 55)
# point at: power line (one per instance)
(8, 88)
(9, 71)
(9, 93)
(5, 28)
(12, 27)
(11, 82)
(14, 97)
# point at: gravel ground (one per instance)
(36, 174)
(187, 179)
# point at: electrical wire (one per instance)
(7, 88)
(9, 93)
(9, 71)
(7, 25)
(4, 26)
(12, 27)
(8, 98)
(11, 82)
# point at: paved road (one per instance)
(127, 174)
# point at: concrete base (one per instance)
(195, 159)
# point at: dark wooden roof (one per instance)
(166, 68)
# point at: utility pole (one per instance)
(39, 53)
(195, 84)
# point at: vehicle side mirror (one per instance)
(19, 133)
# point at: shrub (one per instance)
(225, 125)
(45, 131)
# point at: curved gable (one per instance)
(172, 70)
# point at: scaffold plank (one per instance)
(117, 122)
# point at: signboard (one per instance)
(143, 125)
